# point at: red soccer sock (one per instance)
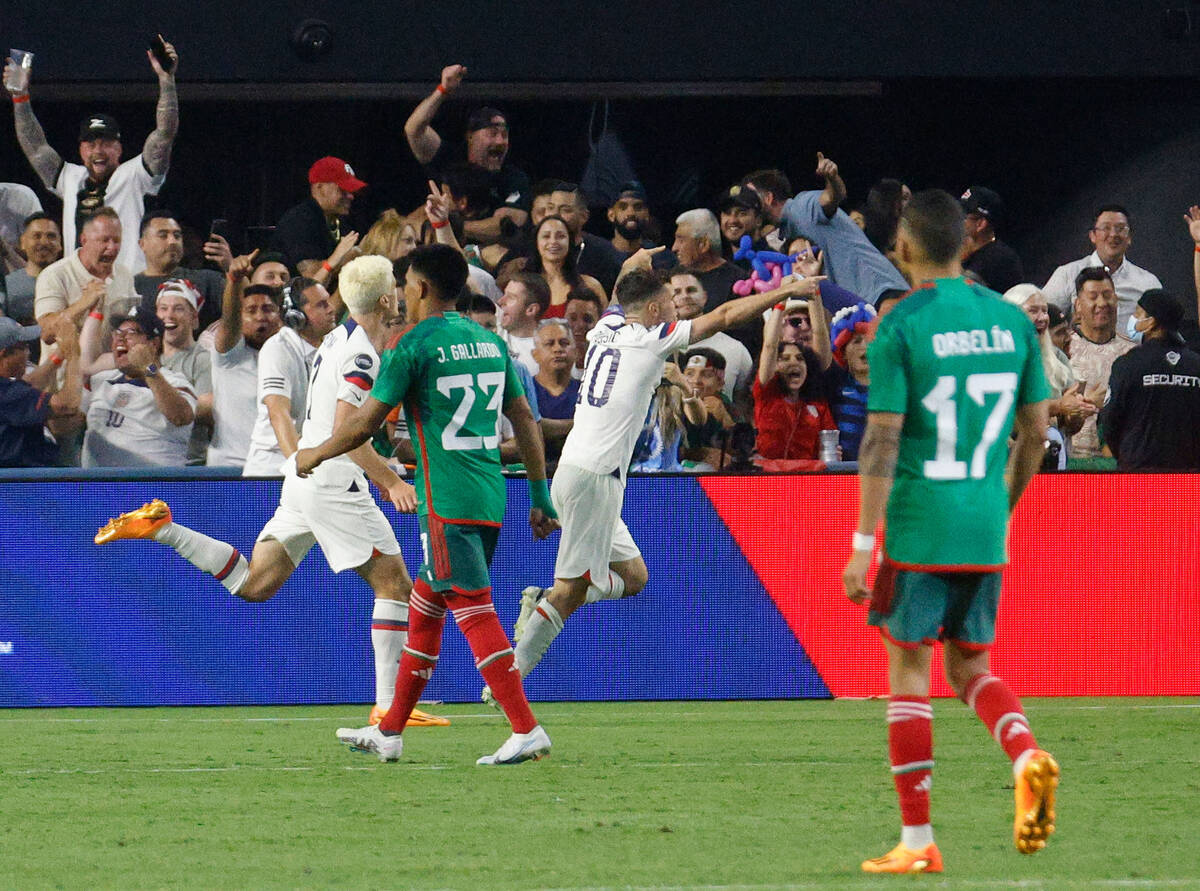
(476, 618)
(1000, 710)
(910, 745)
(426, 616)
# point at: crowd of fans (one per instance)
(114, 353)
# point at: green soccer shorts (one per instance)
(457, 555)
(924, 607)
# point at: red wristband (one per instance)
(1198, 249)
(20, 97)
(440, 225)
(326, 266)
(440, 89)
(98, 316)
(56, 359)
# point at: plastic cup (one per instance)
(16, 78)
(829, 446)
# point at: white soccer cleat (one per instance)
(519, 747)
(371, 739)
(530, 598)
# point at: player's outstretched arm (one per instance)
(543, 519)
(1026, 455)
(877, 458)
(402, 496)
(743, 309)
(354, 430)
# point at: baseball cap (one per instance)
(335, 170)
(151, 325)
(739, 196)
(1165, 308)
(98, 126)
(632, 189)
(482, 118)
(180, 287)
(13, 333)
(985, 202)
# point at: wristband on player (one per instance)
(863, 542)
(539, 496)
(439, 225)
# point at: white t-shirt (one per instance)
(521, 349)
(345, 368)
(126, 428)
(126, 193)
(482, 282)
(739, 367)
(62, 282)
(624, 364)
(284, 363)
(235, 392)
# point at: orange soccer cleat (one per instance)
(1034, 795)
(418, 718)
(905, 860)
(140, 523)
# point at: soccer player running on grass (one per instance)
(628, 348)
(333, 508)
(454, 379)
(954, 371)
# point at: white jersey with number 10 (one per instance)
(624, 364)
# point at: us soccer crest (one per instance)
(122, 399)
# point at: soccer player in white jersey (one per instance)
(284, 365)
(333, 507)
(628, 349)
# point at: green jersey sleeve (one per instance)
(396, 374)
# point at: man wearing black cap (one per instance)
(630, 218)
(313, 229)
(486, 148)
(140, 415)
(740, 211)
(28, 405)
(1151, 418)
(992, 261)
(102, 180)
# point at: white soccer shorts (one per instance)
(593, 533)
(349, 526)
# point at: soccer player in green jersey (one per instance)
(455, 379)
(954, 371)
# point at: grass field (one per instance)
(677, 794)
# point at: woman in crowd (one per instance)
(1068, 408)
(554, 259)
(790, 409)
(391, 236)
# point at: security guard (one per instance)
(1151, 417)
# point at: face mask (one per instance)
(1131, 330)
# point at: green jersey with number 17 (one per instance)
(956, 360)
(454, 378)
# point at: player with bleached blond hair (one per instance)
(333, 507)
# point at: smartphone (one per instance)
(220, 227)
(159, 49)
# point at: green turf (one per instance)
(745, 794)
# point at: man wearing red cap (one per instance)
(312, 229)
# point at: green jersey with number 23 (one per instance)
(454, 378)
(956, 360)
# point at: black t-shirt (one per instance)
(596, 256)
(718, 285)
(507, 187)
(23, 413)
(303, 233)
(1152, 418)
(209, 282)
(997, 265)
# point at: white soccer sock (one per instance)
(543, 627)
(614, 590)
(389, 634)
(218, 559)
(916, 838)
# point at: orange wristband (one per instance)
(440, 225)
(326, 266)
(439, 88)
(20, 97)
(1198, 249)
(98, 316)
(56, 359)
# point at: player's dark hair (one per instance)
(1092, 274)
(715, 359)
(773, 181)
(934, 219)
(638, 286)
(161, 213)
(443, 267)
(536, 289)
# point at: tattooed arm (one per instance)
(45, 161)
(156, 153)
